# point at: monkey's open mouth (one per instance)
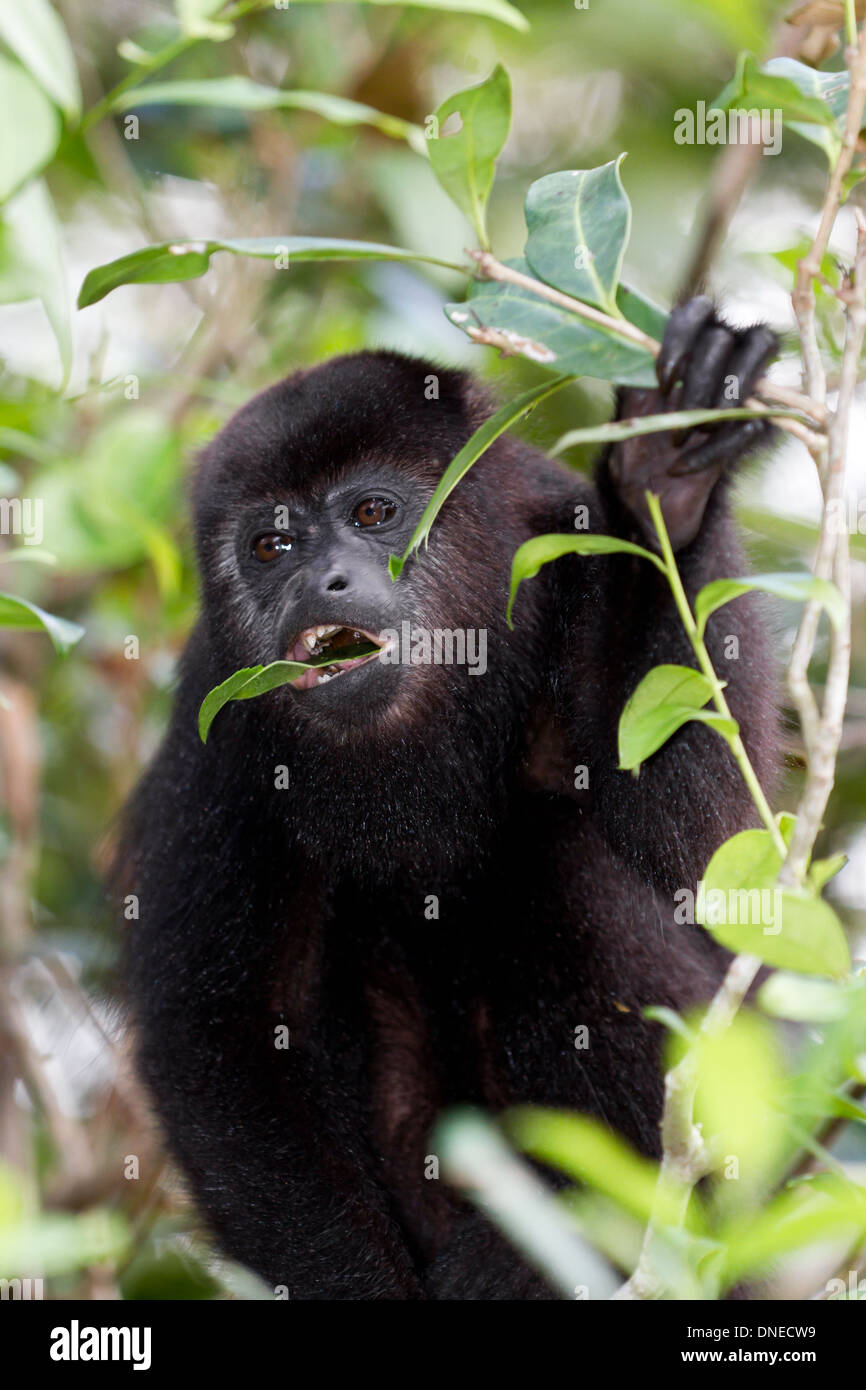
(334, 650)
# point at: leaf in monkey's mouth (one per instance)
(330, 650)
(314, 657)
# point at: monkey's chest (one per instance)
(422, 1061)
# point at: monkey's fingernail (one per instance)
(698, 434)
(687, 466)
(666, 373)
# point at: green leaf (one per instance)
(166, 1273)
(586, 1150)
(670, 1019)
(488, 9)
(551, 336)
(641, 311)
(797, 587)
(830, 88)
(744, 908)
(812, 939)
(20, 613)
(735, 21)
(57, 1243)
(811, 102)
(32, 266)
(749, 856)
(19, 441)
(539, 551)
(850, 181)
(187, 260)
(243, 685)
(100, 516)
(848, 1110)
(787, 825)
(579, 222)
(31, 555)
(791, 534)
(251, 681)
(191, 11)
(831, 1057)
(110, 507)
(465, 162)
(824, 1209)
(477, 1160)
(244, 94)
(29, 127)
(666, 698)
(822, 870)
(801, 998)
(472, 450)
(789, 256)
(196, 19)
(739, 1099)
(35, 34)
(616, 430)
(802, 92)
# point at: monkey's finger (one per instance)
(754, 349)
(706, 373)
(684, 325)
(728, 443)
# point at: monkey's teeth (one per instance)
(326, 631)
(309, 640)
(327, 677)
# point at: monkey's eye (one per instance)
(271, 546)
(374, 511)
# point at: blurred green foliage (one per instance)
(102, 411)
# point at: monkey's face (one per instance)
(301, 501)
(314, 573)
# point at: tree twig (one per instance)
(684, 1155)
(822, 729)
(735, 167)
(685, 1158)
(809, 268)
(492, 269)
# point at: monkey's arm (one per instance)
(267, 1134)
(689, 796)
(703, 364)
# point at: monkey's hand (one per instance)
(703, 364)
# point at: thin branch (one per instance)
(477, 1159)
(684, 1154)
(851, 23)
(823, 733)
(68, 1136)
(629, 427)
(850, 1272)
(733, 171)
(822, 728)
(809, 268)
(492, 269)
(685, 1158)
(161, 59)
(738, 748)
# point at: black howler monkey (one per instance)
(396, 863)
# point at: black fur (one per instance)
(306, 905)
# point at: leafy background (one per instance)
(102, 409)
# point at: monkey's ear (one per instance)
(477, 401)
(463, 397)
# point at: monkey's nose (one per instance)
(335, 583)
